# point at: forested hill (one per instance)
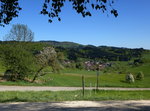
(62, 44)
(75, 51)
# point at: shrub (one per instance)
(79, 65)
(129, 78)
(17, 61)
(140, 76)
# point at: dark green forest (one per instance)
(77, 52)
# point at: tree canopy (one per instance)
(46, 57)
(17, 60)
(9, 9)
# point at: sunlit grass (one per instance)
(47, 96)
(66, 79)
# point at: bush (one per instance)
(140, 76)
(8, 75)
(79, 65)
(138, 62)
(17, 60)
(129, 78)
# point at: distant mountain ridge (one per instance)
(64, 44)
(67, 44)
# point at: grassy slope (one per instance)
(47, 96)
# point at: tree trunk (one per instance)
(37, 73)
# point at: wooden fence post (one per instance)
(97, 81)
(83, 83)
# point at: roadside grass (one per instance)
(48, 96)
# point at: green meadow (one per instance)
(73, 78)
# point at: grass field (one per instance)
(47, 96)
(72, 77)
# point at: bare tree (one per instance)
(20, 32)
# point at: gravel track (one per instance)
(40, 88)
(140, 105)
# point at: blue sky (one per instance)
(130, 29)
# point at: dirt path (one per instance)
(141, 105)
(40, 88)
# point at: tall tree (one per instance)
(20, 32)
(9, 9)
